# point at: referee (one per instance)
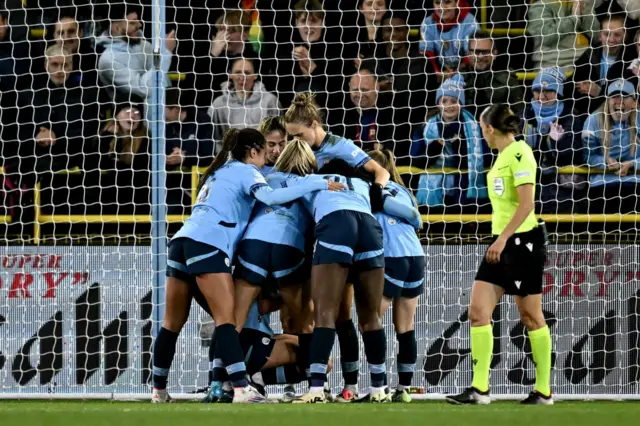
(515, 261)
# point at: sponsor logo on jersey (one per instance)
(227, 262)
(522, 174)
(518, 284)
(265, 341)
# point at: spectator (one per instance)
(14, 58)
(445, 34)
(189, 133)
(311, 65)
(452, 139)
(369, 28)
(126, 65)
(552, 130)
(414, 84)
(244, 102)
(378, 125)
(57, 118)
(561, 31)
(14, 76)
(123, 142)
(122, 148)
(610, 137)
(230, 43)
(486, 84)
(599, 65)
(633, 69)
(68, 33)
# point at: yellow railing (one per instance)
(41, 218)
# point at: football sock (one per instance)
(375, 348)
(481, 350)
(228, 346)
(349, 351)
(164, 349)
(321, 346)
(407, 355)
(541, 349)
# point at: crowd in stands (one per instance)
(85, 101)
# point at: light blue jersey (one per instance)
(448, 46)
(354, 197)
(266, 170)
(226, 200)
(399, 237)
(256, 321)
(283, 224)
(337, 147)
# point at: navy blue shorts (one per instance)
(261, 263)
(257, 347)
(349, 238)
(188, 258)
(404, 276)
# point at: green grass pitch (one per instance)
(92, 413)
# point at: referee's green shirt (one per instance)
(514, 166)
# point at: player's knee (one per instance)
(326, 317)
(532, 320)
(479, 316)
(173, 324)
(369, 321)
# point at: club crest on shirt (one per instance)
(265, 341)
(498, 186)
(204, 193)
(268, 210)
(391, 221)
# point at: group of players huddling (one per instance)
(305, 227)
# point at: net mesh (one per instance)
(411, 76)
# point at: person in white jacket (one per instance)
(126, 65)
(244, 101)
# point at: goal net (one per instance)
(77, 299)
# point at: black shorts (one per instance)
(521, 267)
(261, 263)
(257, 347)
(404, 276)
(188, 258)
(349, 238)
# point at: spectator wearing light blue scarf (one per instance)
(610, 137)
(452, 139)
(552, 130)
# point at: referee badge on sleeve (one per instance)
(498, 186)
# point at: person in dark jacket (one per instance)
(188, 133)
(312, 64)
(14, 76)
(486, 83)
(601, 64)
(68, 33)
(414, 79)
(377, 124)
(553, 130)
(56, 119)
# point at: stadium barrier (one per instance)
(44, 218)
